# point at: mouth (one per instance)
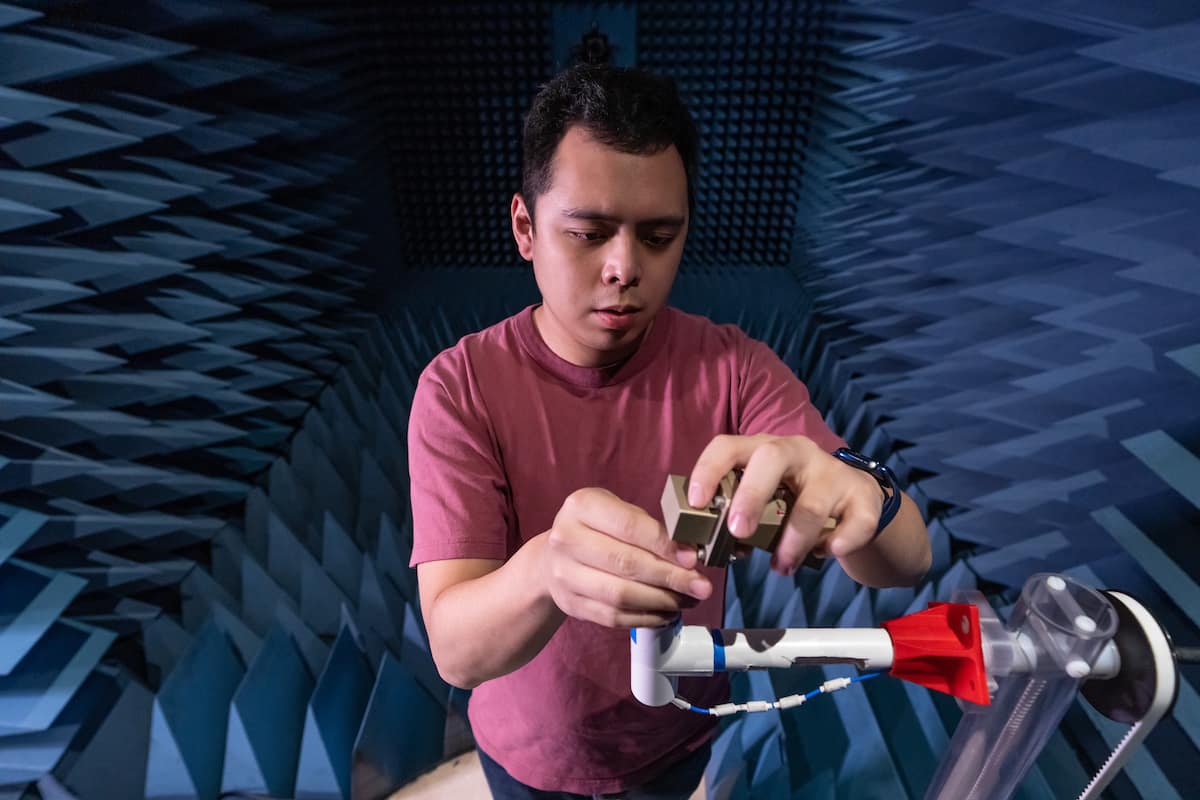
(617, 317)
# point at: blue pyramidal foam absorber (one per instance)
(968, 230)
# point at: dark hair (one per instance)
(628, 109)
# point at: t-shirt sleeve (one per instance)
(771, 399)
(458, 489)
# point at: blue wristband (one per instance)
(883, 475)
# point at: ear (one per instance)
(522, 226)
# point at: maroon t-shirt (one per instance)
(501, 431)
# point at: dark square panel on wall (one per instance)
(456, 79)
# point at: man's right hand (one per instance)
(609, 562)
(603, 560)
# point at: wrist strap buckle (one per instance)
(883, 475)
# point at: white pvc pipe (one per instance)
(659, 655)
(700, 651)
(647, 648)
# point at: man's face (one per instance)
(606, 246)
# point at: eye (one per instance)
(658, 242)
(586, 236)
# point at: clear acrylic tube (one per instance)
(1061, 627)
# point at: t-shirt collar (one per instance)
(592, 377)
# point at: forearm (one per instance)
(489, 626)
(899, 556)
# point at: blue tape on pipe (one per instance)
(718, 650)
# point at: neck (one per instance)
(609, 364)
(634, 349)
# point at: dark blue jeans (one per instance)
(676, 783)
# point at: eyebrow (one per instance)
(599, 216)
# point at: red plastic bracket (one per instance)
(941, 648)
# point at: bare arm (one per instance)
(486, 618)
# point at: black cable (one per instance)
(1187, 655)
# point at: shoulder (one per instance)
(702, 336)
(456, 368)
(451, 398)
(728, 353)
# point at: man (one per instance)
(539, 447)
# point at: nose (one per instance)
(622, 265)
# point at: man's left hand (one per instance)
(823, 485)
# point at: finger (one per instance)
(820, 548)
(586, 608)
(610, 515)
(855, 530)
(722, 454)
(807, 525)
(616, 558)
(761, 478)
(622, 593)
(815, 555)
(687, 556)
(858, 512)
